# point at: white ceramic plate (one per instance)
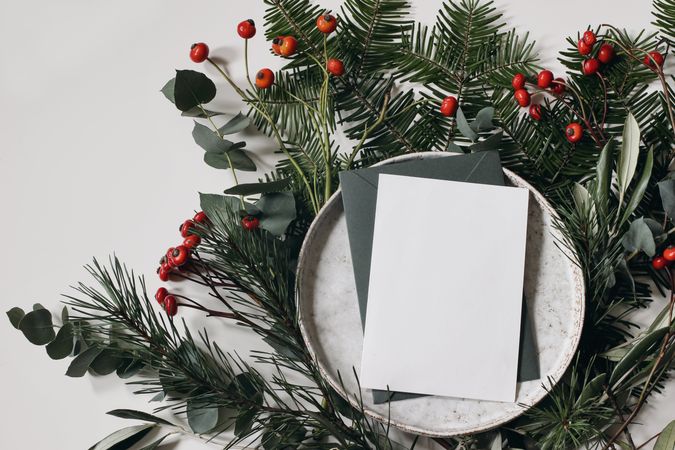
(331, 326)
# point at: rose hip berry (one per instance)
(654, 57)
(606, 53)
(288, 46)
(535, 112)
(163, 273)
(246, 29)
(161, 294)
(179, 255)
(659, 262)
(326, 23)
(199, 52)
(186, 228)
(276, 45)
(170, 305)
(250, 223)
(544, 79)
(518, 81)
(669, 254)
(522, 97)
(335, 67)
(192, 241)
(200, 217)
(264, 79)
(590, 66)
(449, 106)
(574, 132)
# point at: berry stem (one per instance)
(368, 130)
(324, 119)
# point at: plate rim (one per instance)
(552, 379)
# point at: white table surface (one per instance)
(93, 160)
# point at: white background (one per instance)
(93, 160)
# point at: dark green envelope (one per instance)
(359, 196)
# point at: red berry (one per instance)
(669, 254)
(535, 112)
(246, 29)
(326, 23)
(449, 106)
(558, 86)
(522, 97)
(590, 66)
(276, 45)
(653, 57)
(606, 53)
(166, 259)
(264, 78)
(589, 38)
(170, 305)
(186, 228)
(659, 262)
(518, 81)
(200, 217)
(250, 223)
(192, 241)
(335, 67)
(288, 46)
(583, 47)
(544, 79)
(199, 52)
(179, 255)
(161, 294)
(163, 272)
(574, 132)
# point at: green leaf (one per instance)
(640, 188)
(628, 157)
(64, 315)
(209, 140)
(454, 148)
(15, 315)
(62, 345)
(492, 142)
(106, 362)
(37, 327)
(80, 364)
(603, 174)
(200, 112)
(168, 89)
(202, 418)
(259, 188)
(153, 445)
(191, 89)
(667, 192)
(130, 368)
(639, 237)
(483, 120)
(215, 205)
(666, 440)
(244, 422)
(278, 211)
(123, 439)
(636, 354)
(591, 390)
(237, 159)
(582, 198)
(235, 125)
(464, 127)
(138, 415)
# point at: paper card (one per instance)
(445, 290)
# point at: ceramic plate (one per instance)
(331, 326)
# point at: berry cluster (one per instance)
(176, 257)
(604, 54)
(665, 259)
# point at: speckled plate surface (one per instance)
(331, 326)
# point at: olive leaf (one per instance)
(603, 175)
(123, 439)
(628, 156)
(667, 193)
(138, 415)
(666, 440)
(640, 188)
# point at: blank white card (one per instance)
(446, 287)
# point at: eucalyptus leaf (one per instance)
(215, 205)
(483, 120)
(37, 326)
(130, 368)
(80, 364)
(192, 89)
(244, 422)
(259, 188)
(64, 315)
(202, 418)
(15, 315)
(492, 142)
(640, 349)
(200, 112)
(453, 148)
(639, 237)
(640, 188)
(106, 362)
(464, 127)
(123, 439)
(667, 192)
(62, 345)
(207, 139)
(236, 159)
(666, 440)
(168, 89)
(138, 415)
(278, 211)
(235, 125)
(38, 306)
(628, 157)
